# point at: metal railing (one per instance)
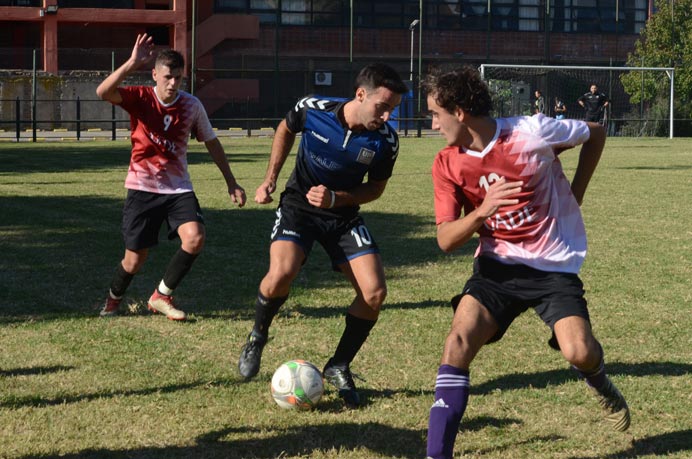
(28, 118)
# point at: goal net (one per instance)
(640, 98)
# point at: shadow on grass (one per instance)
(657, 445)
(556, 377)
(56, 157)
(301, 441)
(317, 312)
(32, 371)
(36, 401)
(74, 243)
(672, 167)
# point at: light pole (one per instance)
(412, 28)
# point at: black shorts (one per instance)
(508, 290)
(342, 239)
(144, 213)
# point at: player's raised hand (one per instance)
(264, 191)
(498, 195)
(237, 194)
(143, 51)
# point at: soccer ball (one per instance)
(297, 385)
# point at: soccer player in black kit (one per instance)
(342, 141)
(594, 102)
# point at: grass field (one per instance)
(139, 386)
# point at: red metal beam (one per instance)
(175, 18)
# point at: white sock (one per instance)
(165, 290)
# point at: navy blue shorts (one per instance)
(342, 239)
(144, 213)
(508, 290)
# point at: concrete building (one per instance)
(254, 58)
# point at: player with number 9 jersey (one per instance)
(158, 184)
(160, 133)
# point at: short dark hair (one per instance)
(460, 88)
(171, 59)
(379, 75)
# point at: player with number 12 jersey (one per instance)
(545, 229)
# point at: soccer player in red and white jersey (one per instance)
(159, 189)
(502, 178)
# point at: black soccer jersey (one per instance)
(593, 102)
(334, 156)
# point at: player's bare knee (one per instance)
(193, 242)
(375, 298)
(132, 264)
(277, 283)
(455, 341)
(578, 354)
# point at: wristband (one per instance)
(333, 195)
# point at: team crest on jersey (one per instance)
(365, 156)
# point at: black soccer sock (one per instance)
(121, 280)
(177, 268)
(355, 334)
(265, 310)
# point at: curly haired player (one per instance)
(504, 175)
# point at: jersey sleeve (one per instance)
(295, 118)
(390, 142)
(201, 128)
(561, 134)
(449, 199)
(131, 96)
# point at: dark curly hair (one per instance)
(459, 88)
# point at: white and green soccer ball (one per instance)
(297, 385)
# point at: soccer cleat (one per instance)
(111, 308)
(164, 304)
(251, 355)
(612, 401)
(342, 379)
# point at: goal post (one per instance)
(641, 98)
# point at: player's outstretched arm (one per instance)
(217, 152)
(452, 235)
(281, 147)
(589, 156)
(142, 52)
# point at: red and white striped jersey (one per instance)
(545, 229)
(160, 133)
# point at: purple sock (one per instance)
(451, 397)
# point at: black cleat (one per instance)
(342, 379)
(251, 356)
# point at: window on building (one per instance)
(581, 16)
(114, 4)
(530, 15)
(474, 15)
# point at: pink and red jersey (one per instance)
(160, 133)
(545, 229)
